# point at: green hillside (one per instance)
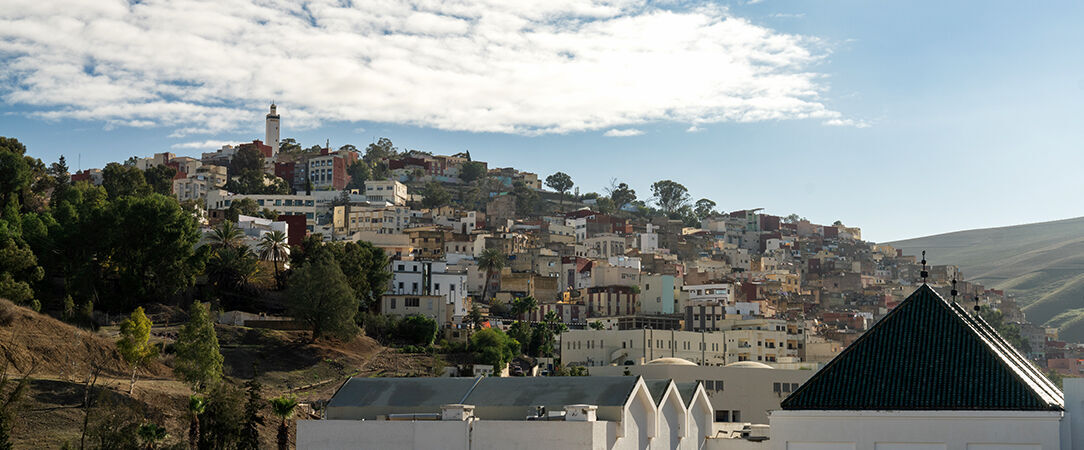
(1042, 264)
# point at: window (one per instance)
(436, 287)
(709, 384)
(402, 267)
(793, 387)
(392, 303)
(415, 286)
(411, 302)
(722, 415)
(786, 387)
(735, 416)
(718, 385)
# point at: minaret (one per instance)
(271, 137)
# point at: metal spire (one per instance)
(953, 291)
(925, 273)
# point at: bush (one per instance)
(416, 330)
(379, 326)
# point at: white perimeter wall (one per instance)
(915, 430)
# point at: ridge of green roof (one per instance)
(928, 354)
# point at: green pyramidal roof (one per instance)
(928, 354)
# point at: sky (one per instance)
(904, 118)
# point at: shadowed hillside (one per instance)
(1042, 264)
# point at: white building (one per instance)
(740, 392)
(595, 348)
(430, 278)
(929, 375)
(271, 131)
(612, 413)
(390, 191)
(605, 245)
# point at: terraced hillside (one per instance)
(1041, 263)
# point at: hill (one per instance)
(1042, 264)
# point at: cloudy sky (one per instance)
(907, 119)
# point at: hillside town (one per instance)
(706, 321)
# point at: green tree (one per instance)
(160, 179)
(522, 306)
(417, 330)
(283, 407)
(621, 195)
(669, 195)
(359, 172)
(471, 170)
(491, 261)
(196, 406)
(250, 430)
(149, 249)
(242, 206)
(199, 362)
(491, 346)
(605, 205)
(123, 180)
(319, 295)
(704, 209)
(14, 173)
(225, 235)
(223, 418)
(151, 434)
(230, 270)
(597, 325)
(273, 248)
(378, 151)
(434, 195)
(134, 343)
(561, 183)
(246, 160)
(474, 317)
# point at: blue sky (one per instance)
(906, 119)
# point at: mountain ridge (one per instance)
(1041, 264)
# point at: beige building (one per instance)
(594, 348)
(390, 191)
(739, 392)
(432, 306)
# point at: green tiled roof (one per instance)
(928, 354)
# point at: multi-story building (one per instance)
(379, 218)
(389, 191)
(199, 183)
(659, 293)
(328, 171)
(605, 245)
(428, 241)
(434, 307)
(596, 348)
(430, 278)
(316, 208)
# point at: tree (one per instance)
(283, 407)
(151, 434)
(471, 170)
(669, 195)
(242, 206)
(491, 346)
(605, 205)
(793, 218)
(122, 180)
(225, 235)
(223, 419)
(273, 248)
(527, 200)
(247, 160)
(474, 317)
(199, 362)
(550, 328)
(522, 306)
(196, 405)
(134, 343)
(319, 295)
(621, 194)
(231, 269)
(597, 325)
(417, 330)
(379, 151)
(160, 179)
(359, 172)
(434, 195)
(250, 430)
(490, 261)
(561, 183)
(14, 176)
(704, 209)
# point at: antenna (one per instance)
(953, 291)
(924, 274)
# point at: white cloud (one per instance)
(202, 145)
(847, 123)
(622, 132)
(693, 129)
(491, 66)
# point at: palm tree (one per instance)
(196, 406)
(151, 434)
(491, 261)
(284, 407)
(231, 269)
(226, 235)
(523, 306)
(273, 248)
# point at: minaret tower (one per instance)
(271, 136)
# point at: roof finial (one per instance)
(977, 308)
(953, 291)
(924, 274)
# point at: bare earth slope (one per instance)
(1042, 264)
